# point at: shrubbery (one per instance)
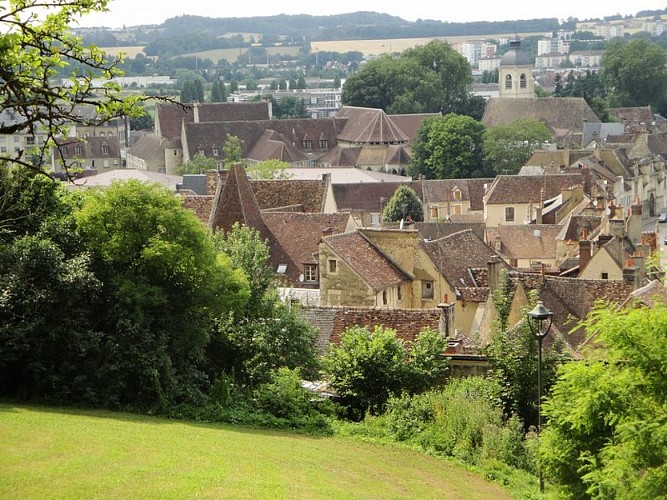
(461, 420)
(368, 367)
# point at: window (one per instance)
(427, 289)
(434, 212)
(105, 150)
(30, 140)
(78, 150)
(384, 298)
(398, 293)
(310, 273)
(333, 266)
(324, 144)
(101, 134)
(457, 194)
(522, 81)
(508, 82)
(307, 144)
(106, 164)
(3, 149)
(375, 219)
(200, 152)
(509, 214)
(216, 152)
(604, 276)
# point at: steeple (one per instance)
(516, 72)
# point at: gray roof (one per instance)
(600, 131)
(515, 56)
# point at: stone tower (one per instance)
(515, 74)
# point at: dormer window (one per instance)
(457, 194)
(324, 144)
(200, 152)
(216, 152)
(307, 144)
(105, 150)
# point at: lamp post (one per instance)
(539, 321)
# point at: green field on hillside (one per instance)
(54, 453)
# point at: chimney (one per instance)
(498, 244)
(329, 231)
(446, 323)
(617, 228)
(631, 274)
(584, 254)
(195, 111)
(634, 223)
(640, 261)
(493, 267)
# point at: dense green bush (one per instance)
(462, 420)
(368, 367)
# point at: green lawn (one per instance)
(52, 453)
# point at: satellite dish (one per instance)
(300, 278)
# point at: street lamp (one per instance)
(539, 321)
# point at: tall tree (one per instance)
(449, 147)
(431, 78)
(607, 417)
(507, 147)
(635, 74)
(37, 48)
(402, 203)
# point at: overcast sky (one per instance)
(135, 12)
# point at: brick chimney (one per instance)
(584, 254)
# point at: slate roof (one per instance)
(563, 115)
(600, 132)
(171, 116)
(533, 241)
(273, 146)
(368, 262)
(561, 157)
(515, 56)
(454, 255)
(299, 236)
(366, 197)
(369, 126)
(521, 189)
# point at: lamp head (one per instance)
(538, 318)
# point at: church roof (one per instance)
(515, 56)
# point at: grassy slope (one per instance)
(82, 454)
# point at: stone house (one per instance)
(520, 199)
(93, 153)
(396, 268)
(526, 247)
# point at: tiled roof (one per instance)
(124, 174)
(409, 124)
(571, 299)
(561, 114)
(368, 262)
(574, 226)
(273, 146)
(150, 147)
(331, 322)
(287, 192)
(343, 175)
(366, 197)
(654, 292)
(508, 189)
(90, 147)
(320, 134)
(639, 114)
(299, 235)
(437, 230)
(171, 116)
(534, 241)
(456, 254)
(369, 126)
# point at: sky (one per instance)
(137, 12)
